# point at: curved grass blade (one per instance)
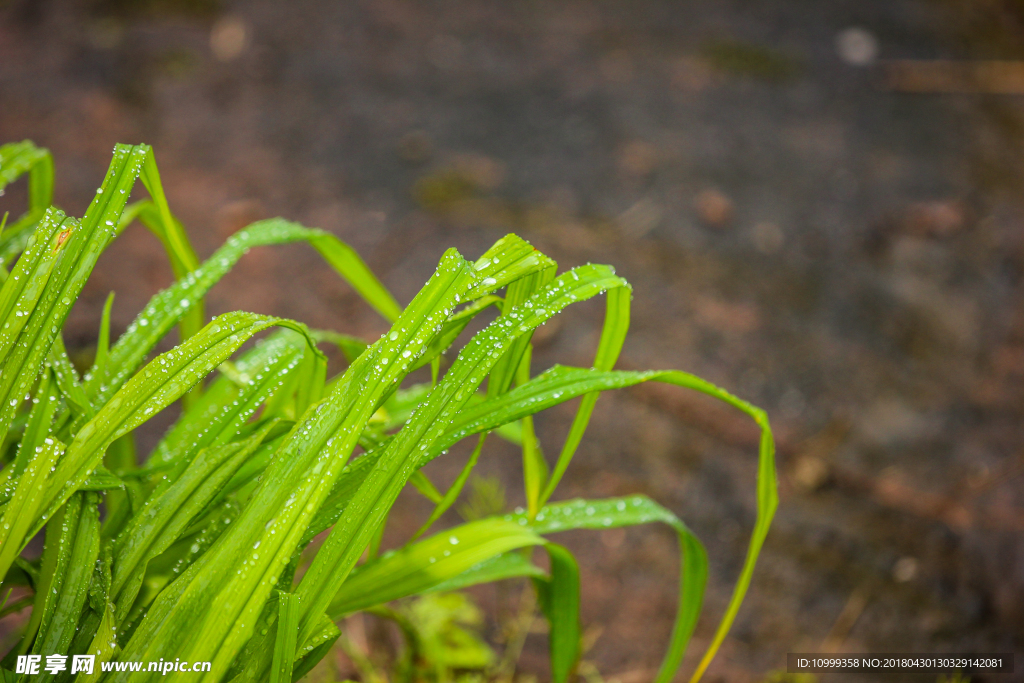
(169, 306)
(341, 549)
(510, 565)
(72, 586)
(561, 383)
(423, 566)
(66, 252)
(613, 335)
(167, 514)
(560, 601)
(171, 234)
(230, 402)
(20, 511)
(302, 474)
(617, 512)
(161, 382)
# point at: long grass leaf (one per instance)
(59, 540)
(508, 565)
(169, 306)
(287, 633)
(345, 413)
(422, 566)
(618, 512)
(613, 335)
(230, 402)
(19, 513)
(165, 517)
(56, 635)
(340, 551)
(560, 602)
(161, 382)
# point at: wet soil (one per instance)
(797, 228)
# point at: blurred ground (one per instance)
(797, 226)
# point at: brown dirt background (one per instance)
(797, 229)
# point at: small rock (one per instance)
(936, 218)
(810, 473)
(228, 38)
(714, 208)
(857, 46)
(904, 570)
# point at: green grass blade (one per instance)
(287, 633)
(56, 635)
(229, 403)
(103, 341)
(18, 515)
(347, 263)
(518, 292)
(560, 384)
(40, 185)
(57, 548)
(168, 513)
(172, 234)
(613, 335)
(161, 382)
(67, 380)
(422, 566)
(169, 306)
(618, 512)
(36, 430)
(424, 486)
(508, 565)
(183, 257)
(316, 647)
(453, 492)
(17, 159)
(345, 414)
(560, 602)
(535, 467)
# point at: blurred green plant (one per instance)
(197, 552)
(738, 58)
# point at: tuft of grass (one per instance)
(193, 552)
